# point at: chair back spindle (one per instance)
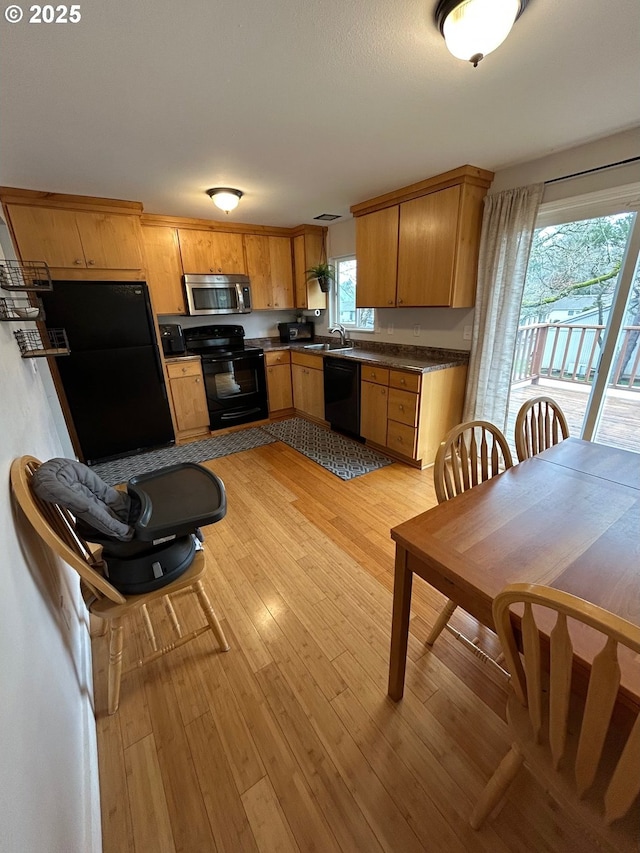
(471, 453)
(540, 423)
(622, 786)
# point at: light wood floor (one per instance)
(288, 742)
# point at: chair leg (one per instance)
(148, 627)
(212, 619)
(171, 613)
(440, 623)
(496, 787)
(116, 639)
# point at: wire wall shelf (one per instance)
(21, 309)
(25, 275)
(34, 343)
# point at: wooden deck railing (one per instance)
(571, 353)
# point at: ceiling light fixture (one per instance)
(474, 28)
(225, 198)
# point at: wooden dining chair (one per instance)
(471, 453)
(586, 750)
(56, 528)
(540, 423)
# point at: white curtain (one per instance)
(507, 233)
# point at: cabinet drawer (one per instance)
(403, 407)
(401, 438)
(406, 381)
(379, 375)
(307, 360)
(184, 368)
(281, 356)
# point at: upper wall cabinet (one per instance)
(211, 252)
(419, 246)
(308, 252)
(74, 239)
(164, 269)
(270, 270)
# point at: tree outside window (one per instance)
(344, 304)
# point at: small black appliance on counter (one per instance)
(293, 332)
(172, 339)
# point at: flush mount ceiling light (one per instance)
(225, 198)
(474, 28)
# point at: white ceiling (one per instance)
(308, 106)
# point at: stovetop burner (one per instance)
(217, 341)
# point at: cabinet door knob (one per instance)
(389, 301)
(92, 263)
(403, 381)
(197, 379)
(211, 269)
(184, 369)
(77, 261)
(400, 301)
(401, 408)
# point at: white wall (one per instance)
(48, 757)
(602, 152)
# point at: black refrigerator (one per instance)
(113, 378)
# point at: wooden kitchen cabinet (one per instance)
(75, 239)
(308, 252)
(410, 413)
(218, 252)
(377, 256)
(427, 248)
(270, 270)
(418, 246)
(307, 378)
(279, 388)
(373, 412)
(163, 269)
(186, 385)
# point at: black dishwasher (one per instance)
(342, 394)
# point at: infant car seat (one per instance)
(150, 533)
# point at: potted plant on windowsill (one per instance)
(325, 275)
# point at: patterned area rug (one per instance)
(340, 455)
(122, 470)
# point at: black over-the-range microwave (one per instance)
(217, 294)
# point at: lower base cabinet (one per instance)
(307, 378)
(410, 413)
(186, 386)
(279, 390)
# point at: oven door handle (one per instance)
(214, 360)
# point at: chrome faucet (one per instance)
(339, 328)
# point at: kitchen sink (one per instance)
(333, 347)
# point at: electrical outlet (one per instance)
(466, 333)
(390, 328)
(416, 330)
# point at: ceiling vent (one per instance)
(327, 217)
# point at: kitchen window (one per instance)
(343, 303)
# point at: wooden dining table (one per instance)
(568, 518)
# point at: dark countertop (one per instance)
(401, 357)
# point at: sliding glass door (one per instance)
(579, 333)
